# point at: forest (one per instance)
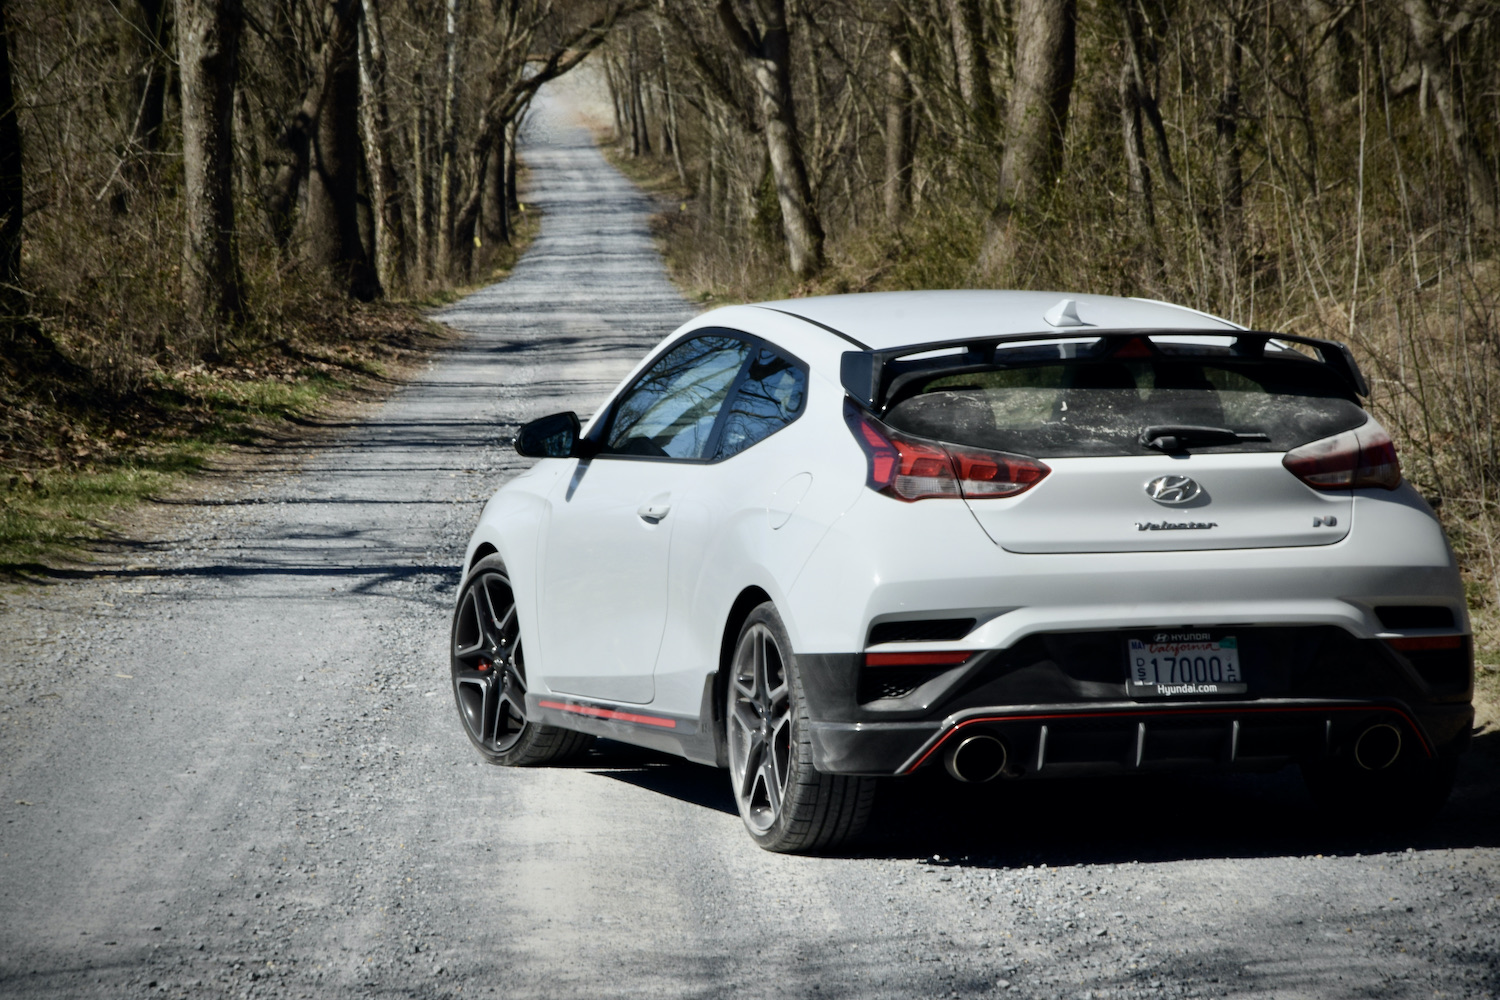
(186, 184)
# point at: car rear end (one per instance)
(1126, 551)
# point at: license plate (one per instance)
(1183, 664)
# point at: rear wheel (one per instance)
(489, 676)
(786, 804)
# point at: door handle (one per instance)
(652, 513)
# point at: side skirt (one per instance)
(633, 724)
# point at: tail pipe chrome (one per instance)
(1377, 747)
(976, 758)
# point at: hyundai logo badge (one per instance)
(1173, 489)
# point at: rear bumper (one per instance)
(1059, 704)
(1124, 737)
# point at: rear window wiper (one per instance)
(1181, 437)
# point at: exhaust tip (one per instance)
(1378, 747)
(976, 758)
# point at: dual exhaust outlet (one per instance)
(983, 757)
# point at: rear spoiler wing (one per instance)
(870, 376)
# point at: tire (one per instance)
(489, 677)
(787, 805)
(1406, 796)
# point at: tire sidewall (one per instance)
(775, 836)
(489, 564)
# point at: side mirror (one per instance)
(554, 436)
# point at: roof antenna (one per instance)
(1065, 313)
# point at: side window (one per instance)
(771, 396)
(671, 410)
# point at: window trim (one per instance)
(600, 431)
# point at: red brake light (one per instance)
(911, 469)
(1364, 456)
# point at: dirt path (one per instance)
(234, 769)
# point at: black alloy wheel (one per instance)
(489, 676)
(787, 805)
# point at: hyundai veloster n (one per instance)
(1015, 535)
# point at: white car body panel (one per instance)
(1100, 505)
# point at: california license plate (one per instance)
(1183, 664)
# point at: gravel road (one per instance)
(232, 767)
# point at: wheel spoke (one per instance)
(753, 756)
(759, 652)
(746, 719)
(503, 625)
(773, 785)
(513, 693)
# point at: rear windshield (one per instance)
(1099, 407)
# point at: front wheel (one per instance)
(489, 676)
(786, 804)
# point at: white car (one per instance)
(1014, 534)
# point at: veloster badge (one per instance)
(1174, 525)
(1173, 489)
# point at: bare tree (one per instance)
(971, 62)
(12, 301)
(1038, 113)
(759, 32)
(898, 123)
(380, 157)
(208, 36)
(1434, 38)
(333, 232)
(447, 140)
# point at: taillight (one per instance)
(912, 469)
(1364, 456)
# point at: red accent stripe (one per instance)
(939, 659)
(1167, 713)
(1414, 643)
(611, 714)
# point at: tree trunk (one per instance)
(512, 133)
(421, 195)
(766, 51)
(898, 145)
(1228, 152)
(1434, 42)
(448, 151)
(208, 35)
(1136, 58)
(1037, 118)
(153, 33)
(640, 142)
(385, 183)
(297, 133)
(1142, 200)
(612, 79)
(12, 299)
(334, 243)
(496, 207)
(1326, 37)
(971, 62)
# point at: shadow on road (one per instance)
(664, 774)
(1098, 821)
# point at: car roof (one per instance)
(885, 320)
